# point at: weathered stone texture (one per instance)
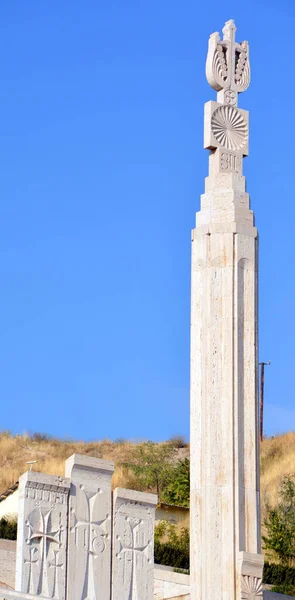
(42, 535)
(133, 551)
(225, 526)
(90, 508)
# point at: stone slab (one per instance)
(7, 594)
(133, 547)
(163, 573)
(42, 535)
(89, 553)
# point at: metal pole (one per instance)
(261, 407)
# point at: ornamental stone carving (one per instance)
(251, 588)
(41, 563)
(229, 128)
(228, 66)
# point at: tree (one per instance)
(280, 524)
(178, 489)
(152, 464)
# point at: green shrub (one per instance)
(152, 465)
(8, 529)
(177, 490)
(281, 577)
(174, 551)
(171, 555)
(280, 524)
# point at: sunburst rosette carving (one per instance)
(251, 588)
(229, 128)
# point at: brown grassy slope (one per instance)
(51, 454)
(277, 459)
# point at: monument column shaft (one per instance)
(224, 473)
(225, 559)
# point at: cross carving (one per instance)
(55, 565)
(43, 536)
(93, 535)
(130, 553)
(90, 540)
(30, 561)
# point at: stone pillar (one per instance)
(133, 545)
(89, 547)
(42, 535)
(225, 560)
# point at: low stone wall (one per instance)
(170, 585)
(272, 596)
(7, 564)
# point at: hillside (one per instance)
(51, 454)
(277, 458)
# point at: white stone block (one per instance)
(226, 127)
(42, 535)
(133, 549)
(89, 560)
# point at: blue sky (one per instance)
(101, 170)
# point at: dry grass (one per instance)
(277, 458)
(51, 454)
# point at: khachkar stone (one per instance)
(42, 535)
(133, 545)
(90, 521)
(225, 563)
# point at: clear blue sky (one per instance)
(101, 169)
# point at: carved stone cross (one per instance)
(31, 561)
(227, 66)
(55, 564)
(43, 534)
(130, 552)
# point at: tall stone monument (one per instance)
(226, 563)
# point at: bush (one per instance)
(8, 529)
(278, 574)
(280, 524)
(171, 555)
(177, 441)
(177, 490)
(152, 465)
(174, 551)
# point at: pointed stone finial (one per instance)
(227, 66)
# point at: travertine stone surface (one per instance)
(89, 547)
(42, 535)
(169, 585)
(133, 550)
(7, 594)
(225, 530)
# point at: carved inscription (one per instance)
(230, 162)
(46, 493)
